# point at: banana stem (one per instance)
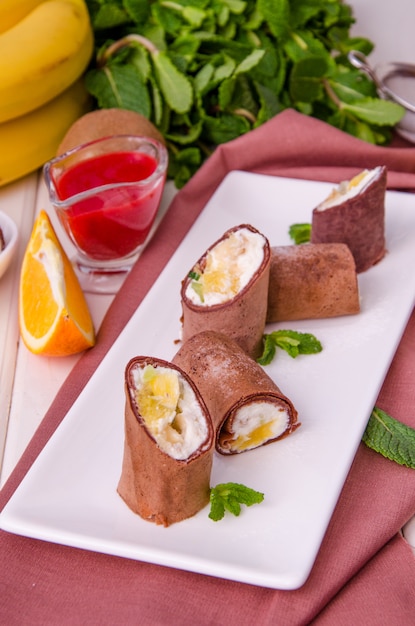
(124, 42)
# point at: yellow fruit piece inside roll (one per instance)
(169, 410)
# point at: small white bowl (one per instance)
(10, 236)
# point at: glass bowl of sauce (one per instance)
(106, 194)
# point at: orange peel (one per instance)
(54, 317)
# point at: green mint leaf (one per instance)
(268, 351)
(292, 341)
(158, 104)
(300, 233)
(224, 128)
(203, 77)
(138, 10)
(194, 275)
(297, 343)
(217, 507)
(290, 344)
(232, 505)
(174, 85)
(277, 15)
(246, 495)
(390, 438)
(194, 16)
(303, 45)
(225, 92)
(351, 86)
(108, 15)
(302, 12)
(229, 497)
(374, 111)
(167, 17)
(269, 101)
(225, 70)
(306, 79)
(183, 164)
(190, 156)
(185, 133)
(119, 86)
(236, 6)
(250, 61)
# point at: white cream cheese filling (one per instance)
(229, 266)
(170, 409)
(350, 188)
(256, 423)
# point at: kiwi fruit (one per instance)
(104, 123)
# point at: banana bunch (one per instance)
(45, 47)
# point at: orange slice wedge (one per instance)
(54, 318)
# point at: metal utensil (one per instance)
(393, 81)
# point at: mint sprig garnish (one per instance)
(300, 233)
(292, 341)
(229, 497)
(391, 438)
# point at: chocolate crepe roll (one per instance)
(354, 214)
(168, 447)
(247, 408)
(311, 281)
(227, 289)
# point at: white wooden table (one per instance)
(29, 383)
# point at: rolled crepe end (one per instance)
(281, 419)
(238, 306)
(354, 214)
(168, 453)
(246, 406)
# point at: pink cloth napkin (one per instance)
(364, 572)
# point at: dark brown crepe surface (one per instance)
(358, 222)
(243, 317)
(311, 281)
(154, 485)
(227, 379)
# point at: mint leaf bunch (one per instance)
(391, 438)
(229, 497)
(292, 341)
(208, 71)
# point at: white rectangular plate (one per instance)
(69, 495)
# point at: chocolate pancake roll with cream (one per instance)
(227, 289)
(247, 408)
(354, 214)
(169, 443)
(311, 281)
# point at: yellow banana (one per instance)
(12, 11)
(42, 55)
(29, 141)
